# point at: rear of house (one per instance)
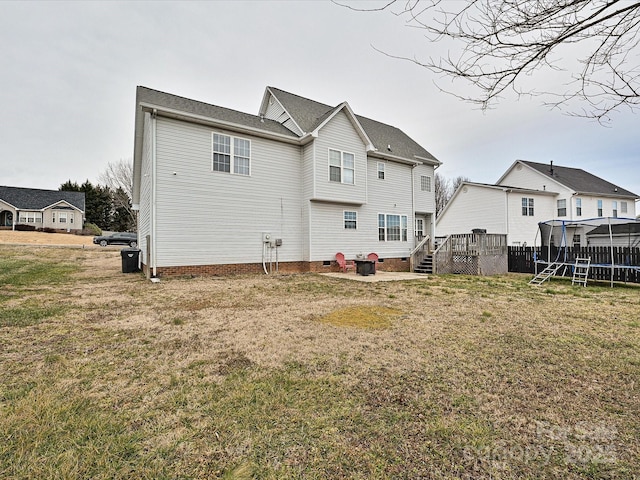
(220, 191)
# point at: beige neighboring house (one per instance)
(63, 211)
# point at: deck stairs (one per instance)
(549, 271)
(581, 271)
(425, 266)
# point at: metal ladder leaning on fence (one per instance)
(581, 271)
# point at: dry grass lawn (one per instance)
(41, 238)
(105, 375)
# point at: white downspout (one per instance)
(154, 185)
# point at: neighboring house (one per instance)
(220, 191)
(621, 235)
(529, 193)
(41, 208)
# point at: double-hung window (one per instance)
(341, 167)
(231, 154)
(599, 208)
(614, 204)
(578, 207)
(381, 170)
(392, 228)
(623, 207)
(350, 220)
(30, 217)
(527, 207)
(562, 207)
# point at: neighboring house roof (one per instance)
(578, 180)
(527, 191)
(631, 228)
(35, 199)
(309, 114)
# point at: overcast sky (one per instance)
(69, 71)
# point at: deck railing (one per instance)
(420, 252)
(472, 254)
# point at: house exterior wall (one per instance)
(276, 112)
(146, 182)
(339, 134)
(208, 217)
(425, 201)
(472, 207)
(521, 228)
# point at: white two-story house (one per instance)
(529, 193)
(220, 191)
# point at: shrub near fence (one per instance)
(626, 260)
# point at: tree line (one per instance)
(108, 204)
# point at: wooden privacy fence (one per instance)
(626, 261)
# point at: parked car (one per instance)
(122, 238)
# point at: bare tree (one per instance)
(445, 188)
(441, 188)
(118, 177)
(502, 42)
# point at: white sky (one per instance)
(69, 71)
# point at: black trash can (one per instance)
(130, 258)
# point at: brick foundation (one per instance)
(389, 265)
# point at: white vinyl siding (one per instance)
(210, 208)
(339, 135)
(424, 201)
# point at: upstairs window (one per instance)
(578, 207)
(425, 183)
(231, 154)
(623, 207)
(381, 170)
(562, 207)
(599, 208)
(350, 220)
(614, 204)
(341, 167)
(527, 207)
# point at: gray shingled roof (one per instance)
(579, 180)
(175, 102)
(308, 114)
(35, 199)
(631, 228)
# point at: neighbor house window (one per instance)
(381, 170)
(231, 154)
(425, 183)
(527, 207)
(578, 207)
(599, 208)
(30, 217)
(615, 209)
(576, 241)
(392, 228)
(562, 207)
(350, 220)
(623, 207)
(341, 167)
